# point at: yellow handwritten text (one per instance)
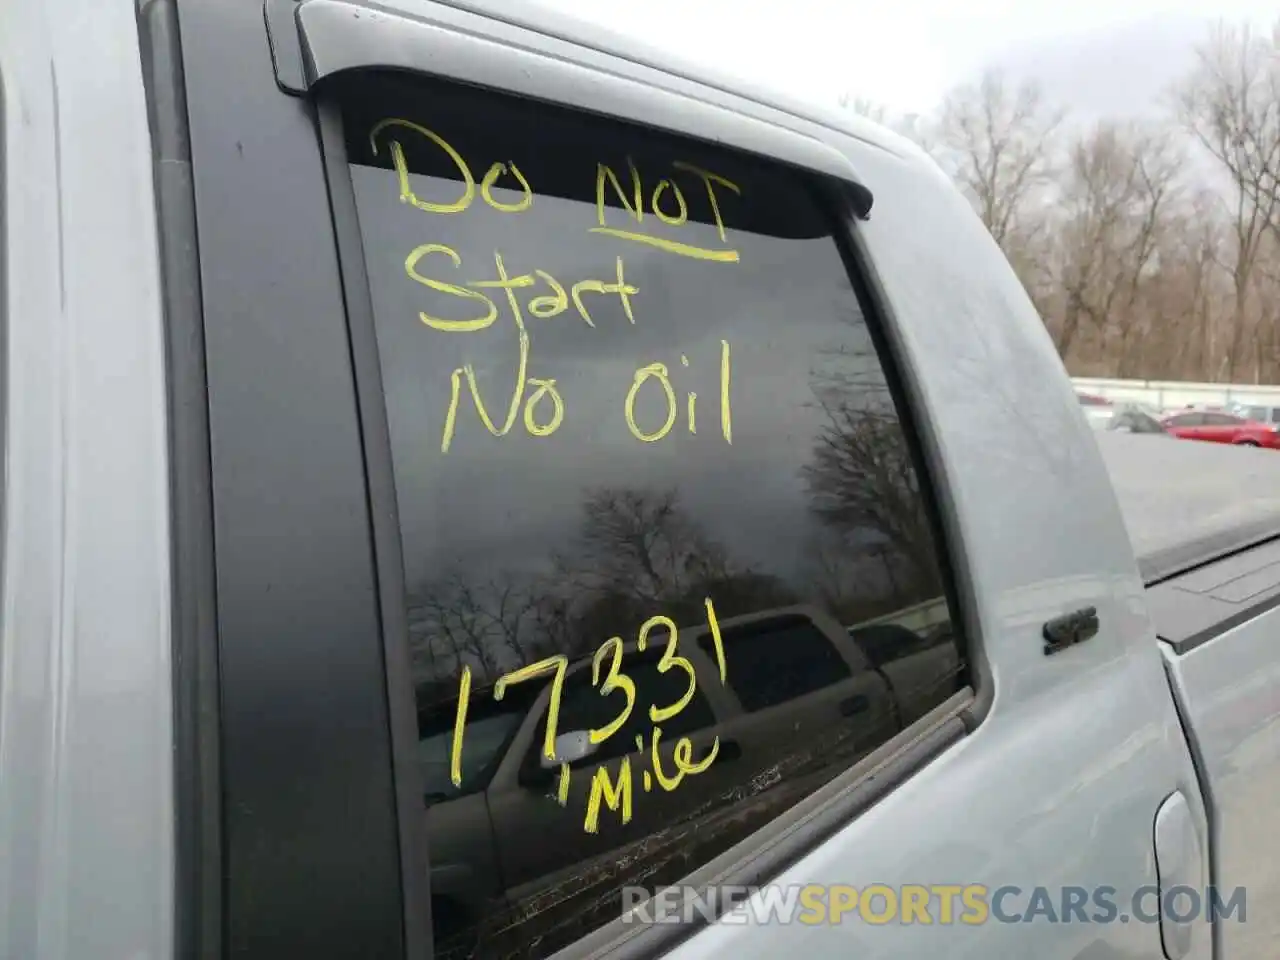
(454, 326)
(542, 306)
(618, 794)
(459, 724)
(726, 411)
(613, 795)
(468, 194)
(616, 680)
(658, 374)
(633, 201)
(669, 661)
(608, 677)
(709, 180)
(682, 757)
(562, 787)
(557, 667)
(717, 641)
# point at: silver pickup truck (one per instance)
(356, 606)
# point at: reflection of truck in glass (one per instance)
(502, 833)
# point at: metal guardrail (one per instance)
(1173, 394)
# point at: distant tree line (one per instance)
(1151, 248)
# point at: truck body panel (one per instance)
(206, 744)
(86, 700)
(1228, 689)
(1217, 623)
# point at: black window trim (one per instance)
(812, 821)
(385, 522)
(198, 835)
(313, 868)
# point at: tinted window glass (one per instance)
(1221, 420)
(583, 708)
(485, 738)
(631, 394)
(489, 728)
(1187, 420)
(780, 661)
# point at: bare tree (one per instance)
(449, 628)
(1230, 104)
(862, 483)
(490, 626)
(997, 143)
(1267, 283)
(1185, 300)
(643, 542)
(1145, 258)
(1118, 189)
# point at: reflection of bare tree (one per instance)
(637, 553)
(489, 627)
(856, 581)
(640, 553)
(843, 371)
(865, 490)
(642, 543)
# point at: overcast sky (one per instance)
(1092, 54)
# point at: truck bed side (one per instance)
(1219, 629)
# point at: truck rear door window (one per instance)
(784, 661)
(633, 403)
(582, 708)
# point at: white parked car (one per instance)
(1259, 412)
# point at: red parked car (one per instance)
(1217, 427)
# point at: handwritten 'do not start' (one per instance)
(537, 401)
